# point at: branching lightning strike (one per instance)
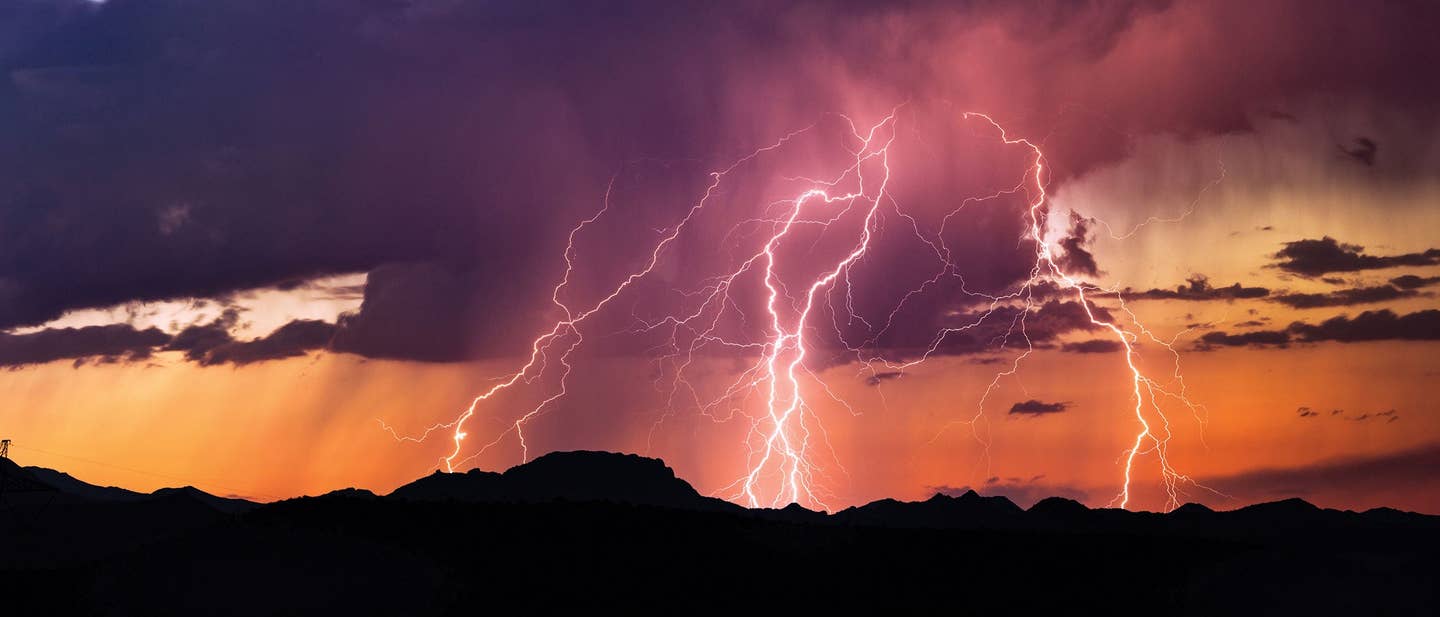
(783, 440)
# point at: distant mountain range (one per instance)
(31, 485)
(632, 479)
(588, 476)
(620, 531)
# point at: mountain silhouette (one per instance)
(66, 484)
(16, 481)
(605, 531)
(52, 519)
(569, 476)
(1192, 509)
(71, 490)
(969, 510)
(1059, 508)
(228, 505)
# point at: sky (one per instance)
(266, 247)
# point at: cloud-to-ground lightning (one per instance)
(785, 438)
(1144, 389)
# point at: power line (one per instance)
(189, 481)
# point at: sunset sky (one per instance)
(255, 246)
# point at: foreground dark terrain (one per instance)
(594, 531)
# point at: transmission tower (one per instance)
(4, 448)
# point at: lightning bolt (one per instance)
(1045, 264)
(783, 441)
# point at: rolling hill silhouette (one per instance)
(599, 530)
(569, 476)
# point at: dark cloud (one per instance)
(418, 311)
(1381, 325)
(113, 342)
(1344, 297)
(211, 344)
(878, 378)
(1306, 412)
(426, 311)
(290, 340)
(1056, 318)
(1373, 326)
(1099, 345)
(1261, 338)
(990, 330)
(196, 340)
(411, 311)
(1198, 289)
(1316, 257)
(1411, 281)
(205, 344)
(1363, 150)
(1036, 408)
(1074, 257)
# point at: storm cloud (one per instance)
(1261, 338)
(1411, 281)
(1198, 289)
(1098, 345)
(1381, 325)
(1033, 407)
(1317, 257)
(1345, 297)
(296, 338)
(1373, 326)
(1075, 258)
(114, 342)
(155, 149)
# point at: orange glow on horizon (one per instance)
(290, 428)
